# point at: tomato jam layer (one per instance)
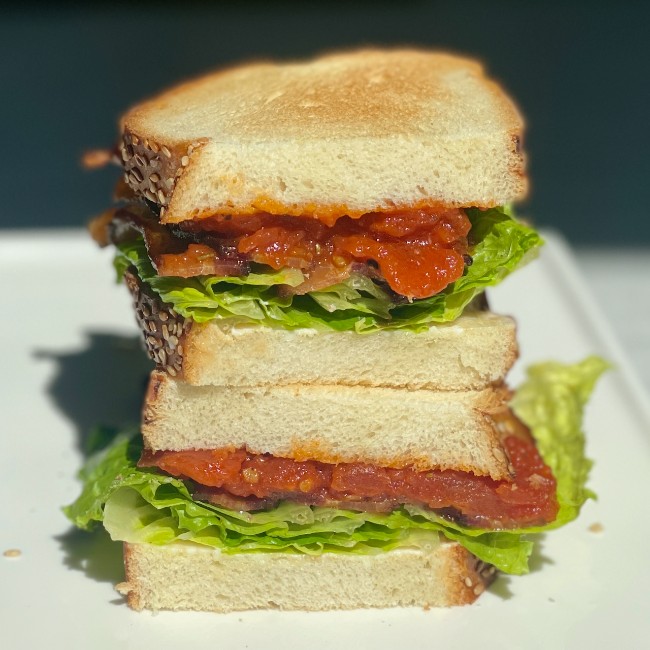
(416, 252)
(529, 499)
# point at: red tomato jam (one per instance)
(417, 252)
(529, 499)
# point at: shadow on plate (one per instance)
(99, 557)
(537, 559)
(100, 385)
(501, 586)
(99, 389)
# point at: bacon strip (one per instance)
(417, 253)
(174, 254)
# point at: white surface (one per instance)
(588, 590)
(619, 280)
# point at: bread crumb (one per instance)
(596, 528)
(426, 607)
(13, 552)
(123, 588)
(96, 158)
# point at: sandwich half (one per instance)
(329, 423)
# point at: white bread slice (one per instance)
(351, 424)
(183, 576)
(347, 133)
(472, 353)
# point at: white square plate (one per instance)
(70, 359)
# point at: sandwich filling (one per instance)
(144, 505)
(406, 269)
(416, 253)
(242, 480)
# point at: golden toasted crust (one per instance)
(347, 133)
(383, 90)
(189, 577)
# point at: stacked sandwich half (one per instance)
(328, 424)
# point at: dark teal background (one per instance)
(579, 70)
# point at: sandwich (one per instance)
(329, 423)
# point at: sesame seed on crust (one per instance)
(151, 170)
(157, 319)
(482, 575)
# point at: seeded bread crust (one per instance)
(348, 133)
(164, 331)
(183, 576)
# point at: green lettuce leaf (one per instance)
(141, 505)
(500, 245)
(551, 402)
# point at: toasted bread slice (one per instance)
(184, 576)
(477, 350)
(345, 134)
(472, 353)
(333, 424)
